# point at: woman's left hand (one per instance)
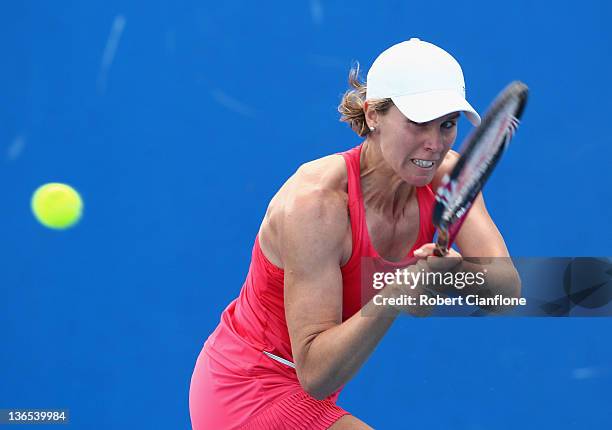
(426, 254)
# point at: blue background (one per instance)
(178, 144)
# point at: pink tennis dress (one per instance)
(244, 378)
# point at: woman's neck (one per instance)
(383, 190)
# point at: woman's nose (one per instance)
(433, 139)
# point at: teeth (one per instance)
(423, 163)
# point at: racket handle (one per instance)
(446, 236)
(442, 243)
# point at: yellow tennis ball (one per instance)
(57, 205)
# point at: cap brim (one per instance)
(424, 107)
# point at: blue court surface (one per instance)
(177, 122)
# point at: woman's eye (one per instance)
(448, 124)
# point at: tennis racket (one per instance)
(480, 153)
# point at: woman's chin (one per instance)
(418, 180)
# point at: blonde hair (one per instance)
(351, 107)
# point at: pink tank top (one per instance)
(255, 321)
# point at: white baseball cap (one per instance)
(424, 81)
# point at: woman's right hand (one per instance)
(425, 262)
(404, 293)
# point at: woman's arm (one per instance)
(327, 351)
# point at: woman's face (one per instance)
(415, 150)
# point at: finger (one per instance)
(444, 263)
(453, 253)
(425, 250)
(450, 254)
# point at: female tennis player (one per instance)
(287, 345)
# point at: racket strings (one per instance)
(480, 154)
(460, 190)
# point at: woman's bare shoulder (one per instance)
(315, 193)
(324, 178)
(329, 171)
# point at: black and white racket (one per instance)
(480, 153)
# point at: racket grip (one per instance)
(442, 243)
(446, 236)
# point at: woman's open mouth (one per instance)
(424, 164)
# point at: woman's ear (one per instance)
(371, 116)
